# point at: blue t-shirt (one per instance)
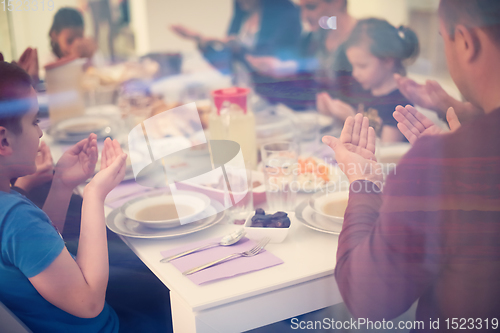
(29, 243)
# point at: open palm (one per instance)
(429, 95)
(112, 170)
(358, 137)
(413, 124)
(355, 150)
(78, 163)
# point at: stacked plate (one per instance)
(163, 215)
(75, 129)
(324, 211)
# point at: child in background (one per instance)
(40, 282)
(67, 40)
(66, 35)
(376, 51)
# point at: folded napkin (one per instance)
(225, 270)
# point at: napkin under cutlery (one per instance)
(225, 270)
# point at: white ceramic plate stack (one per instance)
(323, 211)
(75, 129)
(195, 212)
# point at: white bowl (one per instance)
(276, 235)
(319, 200)
(196, 203)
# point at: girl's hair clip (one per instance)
(401, 32)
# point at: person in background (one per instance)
(432, 235)
(258, 28)
(376, 50)
(66, 36)
(319, 62)
(101, 16)
(41, 283)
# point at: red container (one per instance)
(232, 95)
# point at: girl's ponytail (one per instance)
(411, 47)
(386, 41)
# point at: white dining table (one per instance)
(303, 283)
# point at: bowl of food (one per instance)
(275, 226)
(330, 206)
(161, 211)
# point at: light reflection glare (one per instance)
(332, 22)
(326, 22)
(322, 22)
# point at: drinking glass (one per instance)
(279, 160)
(241, 194)
(308, 131)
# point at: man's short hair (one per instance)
(343, 1)
(482, 14)
(15, 84)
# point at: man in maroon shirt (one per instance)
(434, 233)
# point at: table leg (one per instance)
(184, 319)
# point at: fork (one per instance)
(250, 253)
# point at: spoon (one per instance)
(225, 241)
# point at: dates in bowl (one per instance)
(276, 220)
(260, 225)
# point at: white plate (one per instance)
(318, 201)
(308, 217)
(82, 125)
(76, 129)
(120, 225)
(196, 201)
